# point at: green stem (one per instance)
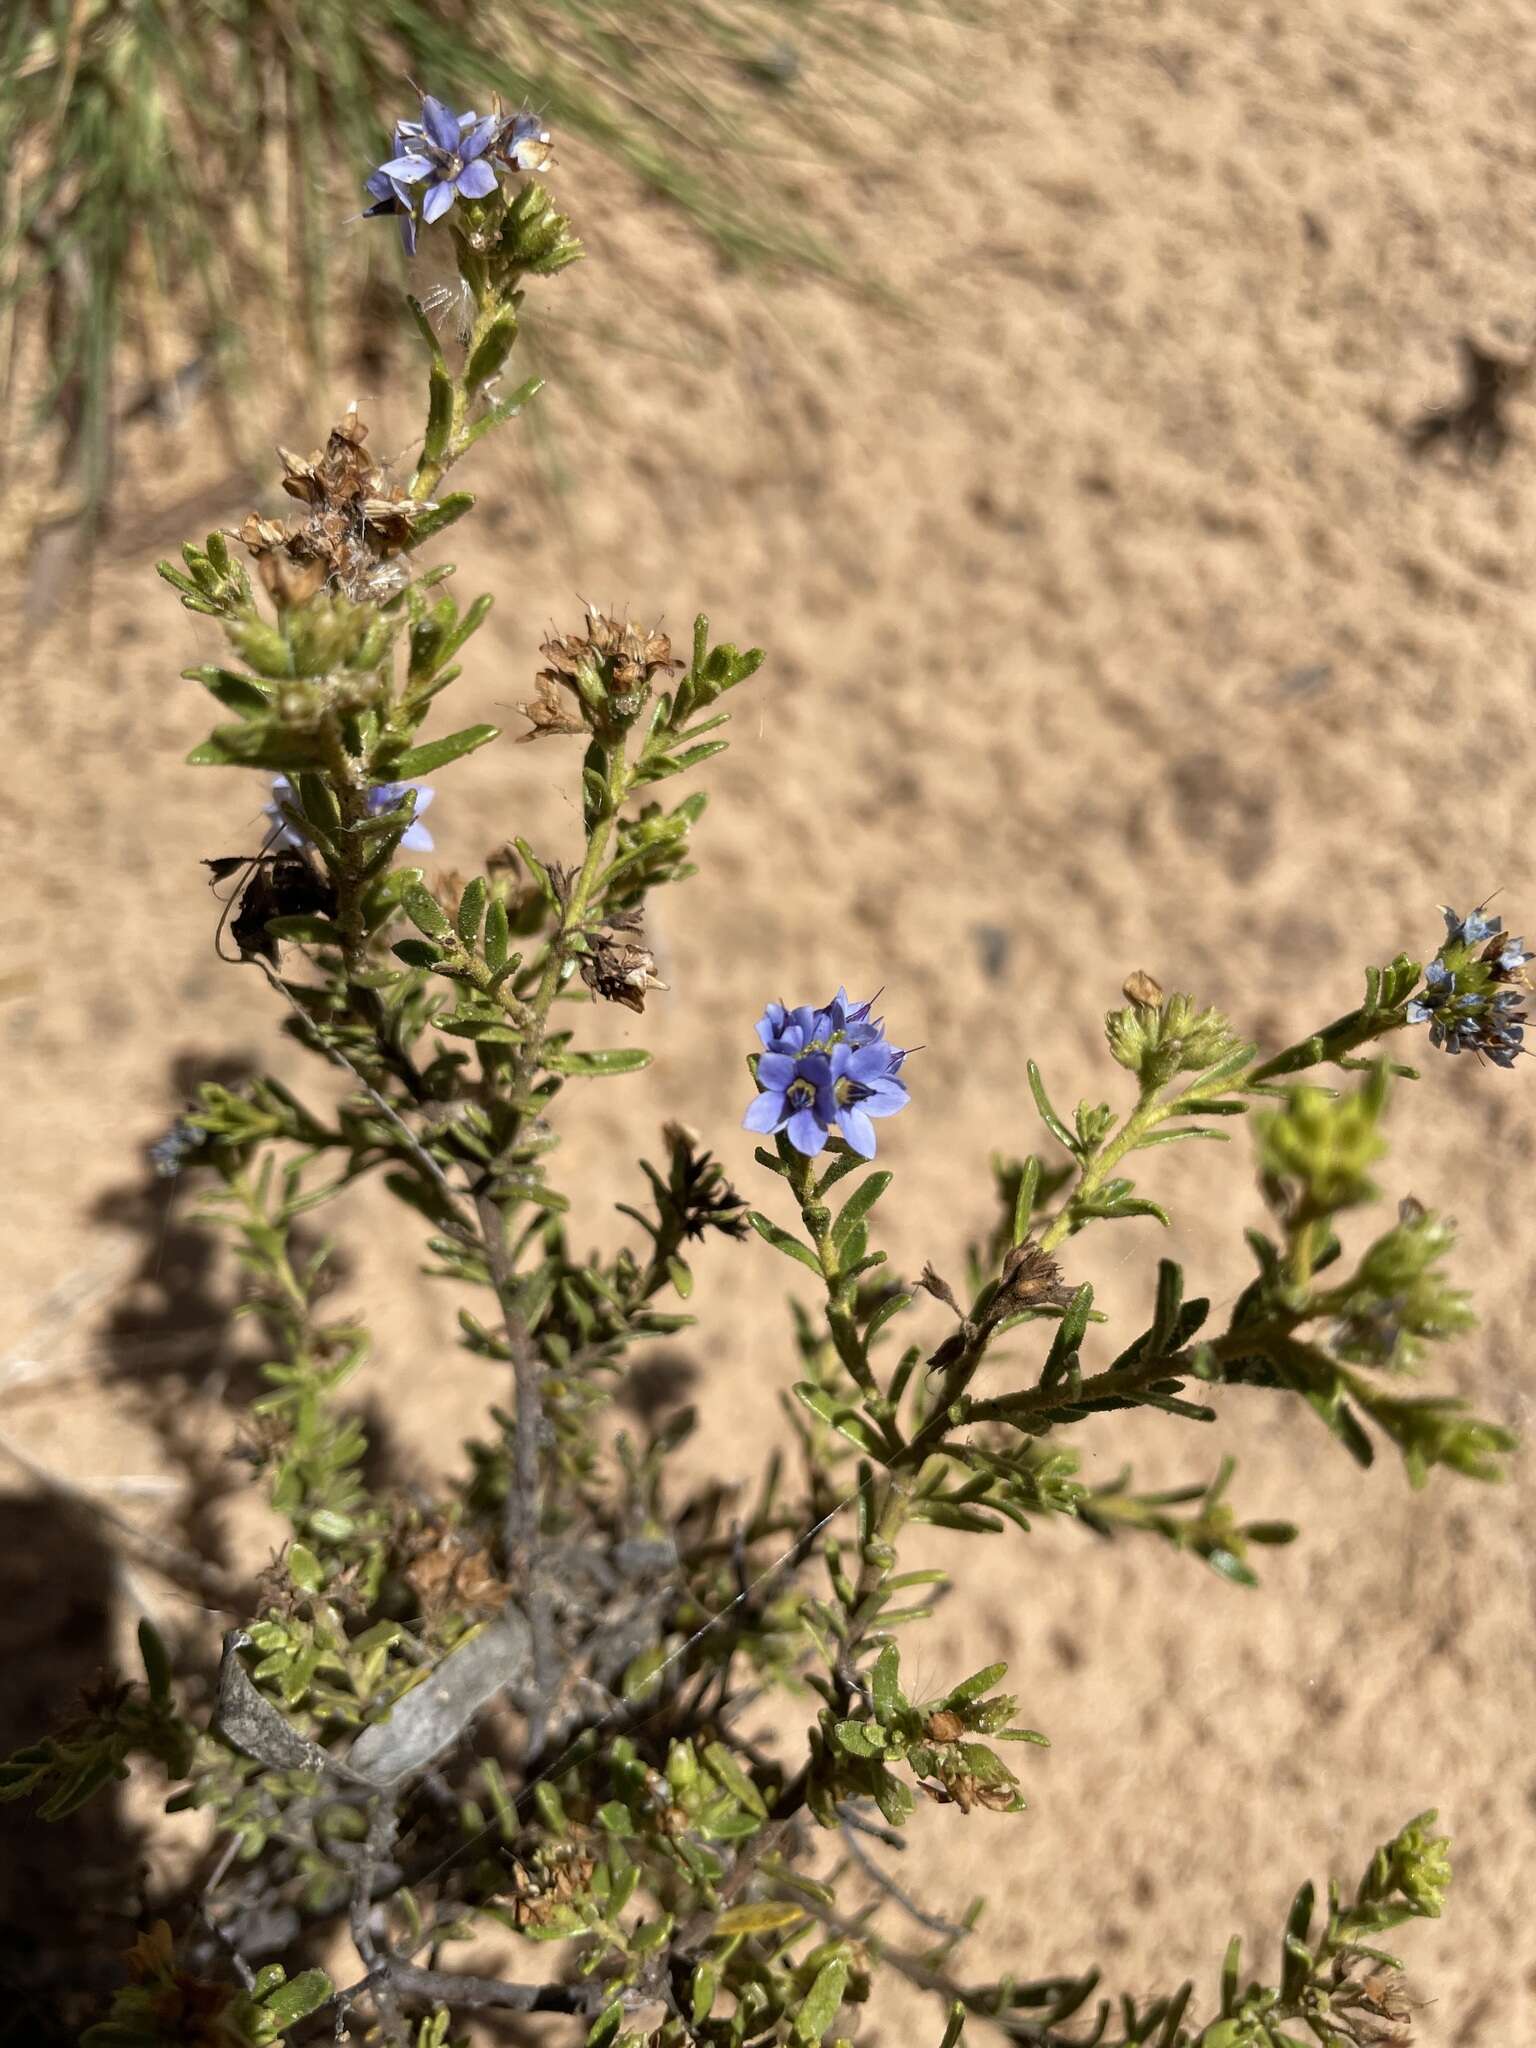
(430, 474)
(1335, 1041)
(1147, 1114)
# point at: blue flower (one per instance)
(392, 195)
(1470, 930)
(825, 1073)
(1439, 985)
(415, 839)
(444, 150)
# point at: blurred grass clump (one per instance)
(174, 173)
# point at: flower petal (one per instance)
(767, 1114)
(408, 232)
(858, 1130)
(407, 170)
(437, 202)
(806, 1134)
(476, 180)
(885, 1098)
(775, 1070)
(441, 125)
(479, 139)
(417, 839)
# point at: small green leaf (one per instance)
(497, 935)
(157, 1662)
(884, 1683)
(822, 2001)
(237, 693)
(641, 1674)
(844, 1420)
(702, 1987)
(439, 410)
(763, 1916)
(858, 1206)
(434, 518)
(1048, 1116)
(295, 2001)
(618, 1059)
(605, 2027)
(471, 910)
(434, 754)
(304, 1568)
(492, 349)
(781, 1241)
(425, 912)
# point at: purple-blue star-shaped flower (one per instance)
(389, 194)
(825, 1073)
(415, 839)
(447, 152)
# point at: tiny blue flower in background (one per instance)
(446, 149)
(825, 1073)
(415, 839)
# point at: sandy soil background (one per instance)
(1112, 625)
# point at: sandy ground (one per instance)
(1112, 624)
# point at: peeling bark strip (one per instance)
(425, 1722)
(432, 1715)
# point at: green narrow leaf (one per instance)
(763, 1916)
(885, 1684)
(882, 1315)
(844, 1420)
(432, 520)
(858, 1206)
(439, 410)
(295, 2001)
(237, 693)
(492, 349)
(1024, 1201)
(497, 935)
(157, 1662)
(1048, 1116)
(954, 2027)
(822, 2001)
(1230, 1964)
(1069, 1335)
(618, 1059)
(471, 910)
(1165, 1316)
(425, 912)
(702, 1987)
(783, 1242)
(438, 753)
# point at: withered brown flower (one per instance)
(620, 967)
(609, 667)
(1032, 1276)
(357, 520)
(1140, 988)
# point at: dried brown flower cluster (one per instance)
(537, 1893)
(357, 522)
(450, 1576)
(620, 967)
(610, 667)
(1031, 1276)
